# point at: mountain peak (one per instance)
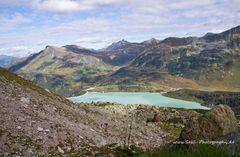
(73, 46)
(121, 42)
(50, 47)
(51, 52)
(152, 41)
(175, 41)
(223, 35)
(234, 29)
(76, 47)
(117, 45)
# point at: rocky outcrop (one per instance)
(214, 124)
(174, 116)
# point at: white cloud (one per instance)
(19, 51)
(66, 33)
(59, 6)
(71, 6)
(106, 21)
(14, 2)
(7, 24)
(64, 6)
(93, 40)
(97, 42)
(183, 4)
(87, 26)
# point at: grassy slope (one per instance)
(28, 84)
(224, 80)
(213, 80)
(61, 71)
(197, 151)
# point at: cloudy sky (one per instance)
(27, 26)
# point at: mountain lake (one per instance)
(143, 98)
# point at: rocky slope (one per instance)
(124, 52)
(117, 54)
(35, 122)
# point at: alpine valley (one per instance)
(211, 62)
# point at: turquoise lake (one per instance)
(136, 98)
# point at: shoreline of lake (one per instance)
(134, 98)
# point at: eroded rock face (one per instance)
(214, 124)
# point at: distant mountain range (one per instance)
(6, 60)
(211, 62)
